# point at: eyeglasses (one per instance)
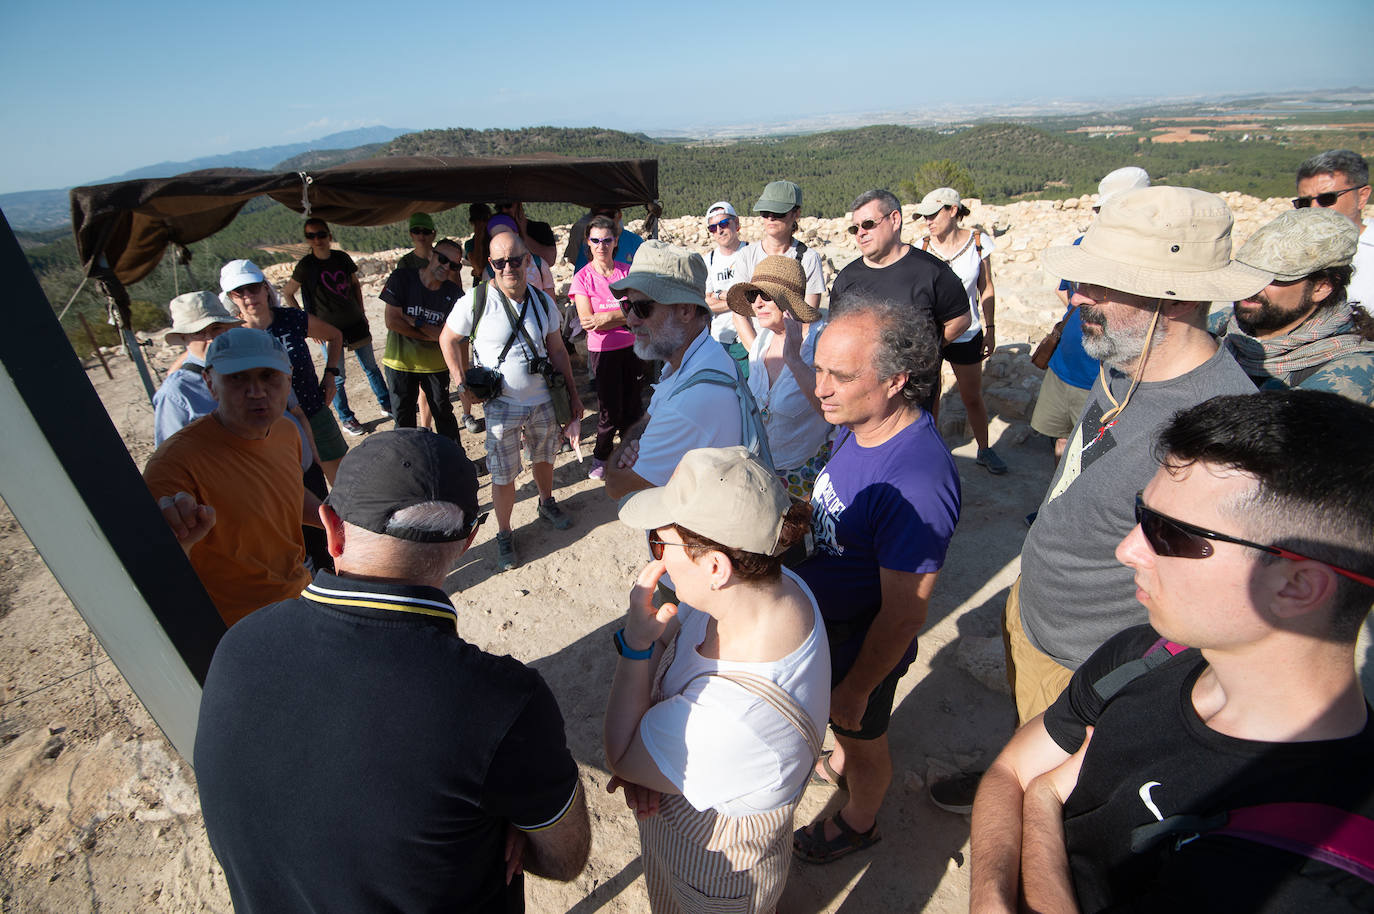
(600, 241)
(656, 547)
(776, 217)
(714, 227)
(514, 263)
(253, 288)
(446, 262)
(867, 225)
(1177, 539)
(421, 231)
(753, 295)
(639, 307)
(315, 236)
(934, 214)
(1325, 200)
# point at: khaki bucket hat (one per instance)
(722, 493)
(192, 312)
(783, 280)
(1160, 242)
(668, 274)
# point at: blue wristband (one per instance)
(628, 652)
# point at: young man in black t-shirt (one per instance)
(1252, 545)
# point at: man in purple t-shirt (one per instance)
(884, 510)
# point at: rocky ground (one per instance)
(99, 812)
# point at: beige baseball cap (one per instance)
(1160, 242)
(721, 493)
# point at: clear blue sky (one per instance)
(91, 90)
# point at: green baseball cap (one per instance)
(779, 197)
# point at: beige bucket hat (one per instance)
(783, 280)
(1160, 242)
(720, 493)
(192, 312)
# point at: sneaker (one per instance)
(955, 794)
(505, 551)
(353, 426)
(473, 424)
(387, 414)
(988, 458)
(550, 511)
(598, 470)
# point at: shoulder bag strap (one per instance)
(773, 694)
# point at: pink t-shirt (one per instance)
(597, 288)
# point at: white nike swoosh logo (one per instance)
(1149, 803)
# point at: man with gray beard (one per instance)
(699, 401)
(1145, 273)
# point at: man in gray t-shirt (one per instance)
(1145, 272)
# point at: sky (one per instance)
(90, 90)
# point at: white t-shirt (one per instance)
(521, 386)
(1361, 288)
(720, 276)
(725, 748)
(708, 415)
(966, 265)
(795, 430)
(747, 261)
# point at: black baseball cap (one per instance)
(399, 469)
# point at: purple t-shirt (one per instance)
(892, 506)
(587, 281)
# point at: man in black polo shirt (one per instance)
(353, 752)
(891, 270)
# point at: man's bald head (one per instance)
(507, 255)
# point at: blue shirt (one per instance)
(182, 398)
(1073, 366)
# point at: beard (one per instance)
(662, 345)
(1269, 317)
(1118, 345)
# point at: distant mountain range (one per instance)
(39, 210)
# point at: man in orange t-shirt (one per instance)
(229, 484)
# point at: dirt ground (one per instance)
(100, 812)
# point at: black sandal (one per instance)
(811, 845)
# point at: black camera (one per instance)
(539, 365)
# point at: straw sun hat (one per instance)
(782, 279)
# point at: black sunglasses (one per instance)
(717, 226)
(314, 236)
(251, 288)
(1178, 539)
(421, 231)
(1325, 200)
(600, 241)
(639, 307)
(753, 295)
(446, 262)
(777, 217)
(867, 225)
(513, 262)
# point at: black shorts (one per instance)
(879, 711)
(969, 352)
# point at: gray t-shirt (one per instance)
(1074, 593)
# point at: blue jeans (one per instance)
(368, 359)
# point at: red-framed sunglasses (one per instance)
(1179, 539)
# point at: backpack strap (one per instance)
(1328, 834)
(752, 434)
(479, 305)
(1157, 655)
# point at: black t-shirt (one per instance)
(356, 755)
(1151, 748)
(540, 232)
(328, 288)
(919, 279)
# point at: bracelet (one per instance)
(628, 652)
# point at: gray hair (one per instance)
(440, 517)
(908, 343)
(386, 554)
(886, 197)
(1336, 161)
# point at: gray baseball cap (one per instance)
(668, 274)
(244, 348)
(1300, 242)
(779, 197)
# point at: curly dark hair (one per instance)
(908, 342)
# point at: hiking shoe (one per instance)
(353, 426)
(565, 446)
(473, 424)
(988, 458)
(550, 511)
(388, 414)
(598, 470)
(955, 794)
(505, 551)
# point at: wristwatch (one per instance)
(628, 652)
(333, 369)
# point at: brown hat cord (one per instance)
(1117, 408)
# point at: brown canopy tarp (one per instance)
(131, 223)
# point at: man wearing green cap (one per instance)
(422, 236)
(1300, 330)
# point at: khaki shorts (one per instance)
(1058, 408)
(1035, 679)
